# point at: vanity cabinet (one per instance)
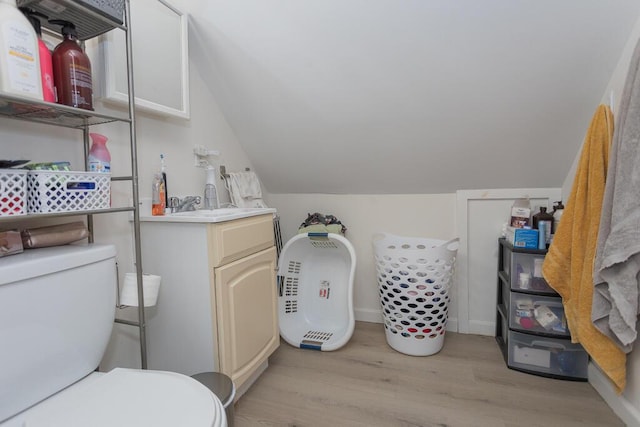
(217, 306)
(531, 328)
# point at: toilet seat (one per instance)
(129, 397)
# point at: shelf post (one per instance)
(135, 189)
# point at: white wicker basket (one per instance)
(56, 191)
(414, 277)
(13, 192)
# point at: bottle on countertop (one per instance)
(158, 195)
(72, 70)
(19, 59)
(46, 63)
(558, 209)
(99, 156)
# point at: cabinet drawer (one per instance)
(232, 240)
(531, 265)
(535, 313)
(548, 356)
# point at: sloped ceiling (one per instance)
(409, 96)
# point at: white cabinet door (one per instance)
(247, 314)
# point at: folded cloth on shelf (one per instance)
(617, 263)
(568, 265)
(244, 190)
(54, 235)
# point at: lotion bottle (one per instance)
(46, 64)
(72, 70)
(19, 74)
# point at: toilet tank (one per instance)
(57, 307)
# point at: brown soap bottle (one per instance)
(72, 70)
(547, 218)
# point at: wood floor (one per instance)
(366, 383)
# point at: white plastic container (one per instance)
(67, 191)
(315, 291)
(19, 60)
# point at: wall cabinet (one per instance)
(531, 328)
(217, 307)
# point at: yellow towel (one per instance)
(568, 266)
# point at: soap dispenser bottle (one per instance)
(46, 63)
(558, 209)
(210, 190)
(72, 69)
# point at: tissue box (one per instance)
(522, 238)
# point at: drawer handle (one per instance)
(555, 304)
(549, 344)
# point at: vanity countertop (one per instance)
(203, 215)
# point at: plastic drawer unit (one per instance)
(531, 328)
(535, 313)
(526, 265)
(543, 355)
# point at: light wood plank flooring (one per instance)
(367, 383)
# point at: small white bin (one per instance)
(57, 191)
(414, 277)
(13, 192)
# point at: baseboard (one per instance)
(368, 315)
(478, 327)
(375, 316)
(452, 325)
(618, 403)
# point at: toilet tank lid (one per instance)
(39, 262)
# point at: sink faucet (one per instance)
(188, 204)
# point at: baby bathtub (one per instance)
(315, 291)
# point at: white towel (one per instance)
(244, 190)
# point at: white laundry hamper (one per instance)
(315, 291)
(414, 278)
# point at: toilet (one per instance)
(57, 307)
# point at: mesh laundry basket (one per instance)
(414, 278)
